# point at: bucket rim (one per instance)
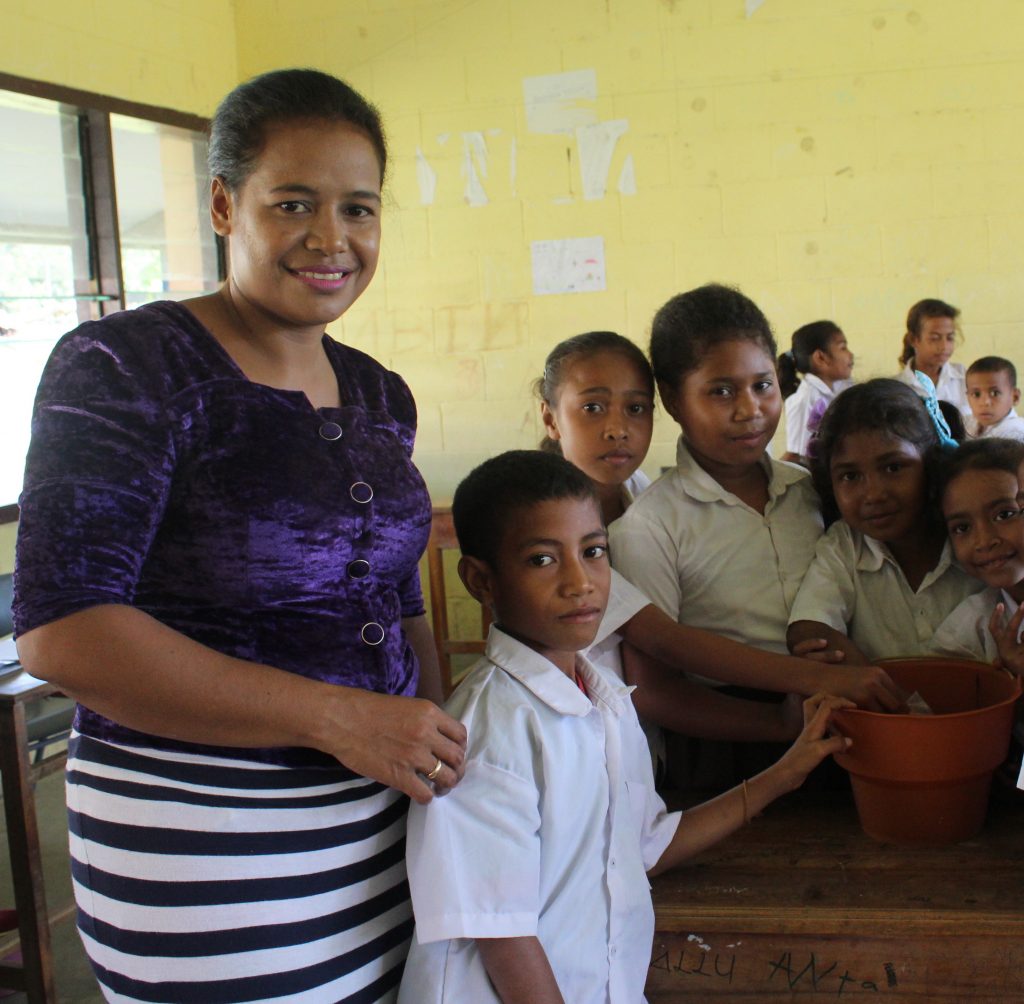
(895, 715)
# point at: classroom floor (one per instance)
(75, 981)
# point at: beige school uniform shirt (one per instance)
(855, 586)
(711, 561)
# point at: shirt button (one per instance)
(330, 430)
(612, 862)
(612, 951)
(358, 568)
(361, 492)
(372, 633)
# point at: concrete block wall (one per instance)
(835, 160)
(838, 159)
(177, 54)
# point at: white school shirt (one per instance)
(952, 385)
(549, 833)
(1009, 427)
(855, 586)
(812, 389)
(964, 634)
(633, 486)
(625, 601)
(711, 561)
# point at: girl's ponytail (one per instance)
(811, 338)
(788, 379)
(908, 349)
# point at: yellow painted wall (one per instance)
(171, 53)
(838, 159)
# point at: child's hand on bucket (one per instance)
(818, 740)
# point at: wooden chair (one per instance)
(442, 538)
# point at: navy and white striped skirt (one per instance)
(214, 881)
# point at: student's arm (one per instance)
(519, 970)
(800, 632)
(826, 603)
(703, 826)
(665, 697)
(693, 650)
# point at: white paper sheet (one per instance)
(560, 102)
(574, 265)
(596, 144)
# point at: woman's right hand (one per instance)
(396, 740)
(125, 665)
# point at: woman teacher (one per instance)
(217, 558)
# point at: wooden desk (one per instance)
(35, 975)
(802, 903)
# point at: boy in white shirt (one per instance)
(992, 394)
(529, 880)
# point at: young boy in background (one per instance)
(992, 394)
(529, 881)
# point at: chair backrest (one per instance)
(6, 598)
(442, 538)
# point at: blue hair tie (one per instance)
(931, 402)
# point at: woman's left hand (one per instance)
(399, 741)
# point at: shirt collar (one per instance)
(549, 684)
(1010, 418)
(700, 485)
(818, 384)
(872, 554)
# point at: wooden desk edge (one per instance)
(19, 685)
(834, 922)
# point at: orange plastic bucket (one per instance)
(925, 779)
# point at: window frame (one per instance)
(95, 139)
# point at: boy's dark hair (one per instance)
(994, 364)
(239, 126)
(691, 323)
(590, 343)
(490, 493)
(806, 341)
(992, 454)
(880, 405)
(916, 317)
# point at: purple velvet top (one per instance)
(161, 477)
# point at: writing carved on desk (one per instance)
(788, 973)
(814, 975)
(685, 963)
